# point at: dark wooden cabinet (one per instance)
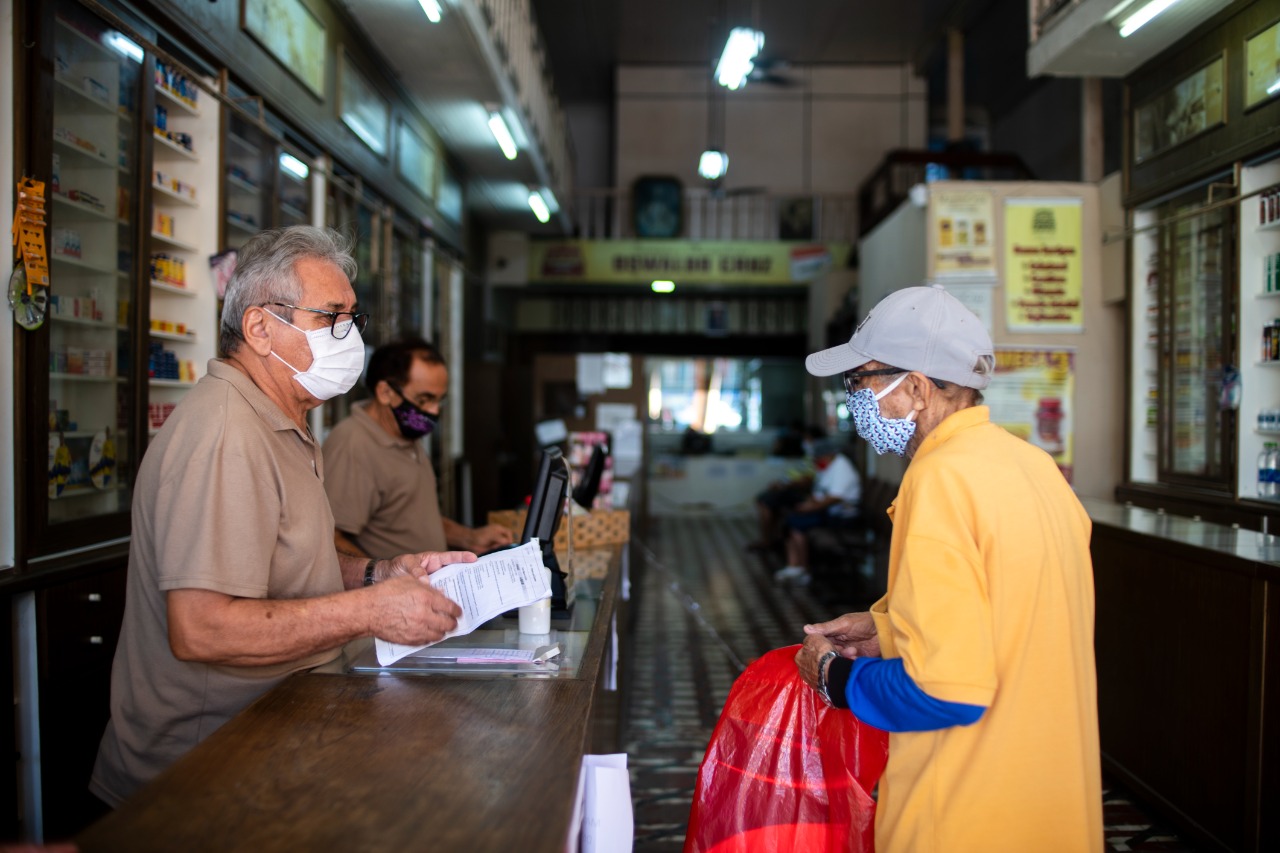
(1188, 653)
(78, 623)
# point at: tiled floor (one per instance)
(704, 607)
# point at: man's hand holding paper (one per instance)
(491, 585)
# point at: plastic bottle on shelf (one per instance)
(1268, 460)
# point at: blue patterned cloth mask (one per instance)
(885, 435)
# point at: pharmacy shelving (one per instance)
(1260, 385)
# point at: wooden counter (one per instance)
(383, 762)
(1188, 652)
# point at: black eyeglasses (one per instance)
(852, 377)
(339, 329)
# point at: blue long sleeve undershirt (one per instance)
(879, 692)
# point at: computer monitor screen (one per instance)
(546, 503)
(584, 494)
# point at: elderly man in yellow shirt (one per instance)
(979, 658)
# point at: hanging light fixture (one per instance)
(431, 8)
(736, 61)
(713, 164)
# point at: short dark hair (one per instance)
(391, 362)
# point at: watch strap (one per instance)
(368, 572)
(823, 661)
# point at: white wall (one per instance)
(825, 133)
(892, 258)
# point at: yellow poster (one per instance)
(1042, 267)
(681, 261)
(960, 227)
(1031, 396)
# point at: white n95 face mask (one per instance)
(335, 364)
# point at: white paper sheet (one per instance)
(603, 806)
(491, 585)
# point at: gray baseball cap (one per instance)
(916, 328)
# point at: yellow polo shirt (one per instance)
(990, 602)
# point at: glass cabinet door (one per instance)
(1195, 310)
(92, 240)
(293, 206)
(251, 167)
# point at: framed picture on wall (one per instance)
(1262, 66)
(795, 218)
(415, 160)
(1193, 105)
(361, 108)
(292, 34)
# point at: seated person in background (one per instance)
(381, 485)
(694, 442)
(837, 489)
(783, 495)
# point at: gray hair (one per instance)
(266, 272)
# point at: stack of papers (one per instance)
(490, 586)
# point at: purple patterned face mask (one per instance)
(885, 435)
(414, 423)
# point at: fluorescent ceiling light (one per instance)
(735, 63)
(125, 46)
(432, 10)
(713, 164)
(294, 166)
(500, 132)
(663, 286)
(1273, 88)
(1134, 22)
(539, 206)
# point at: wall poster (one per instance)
(1190, 107)
(1031, 397)
(960, 230)
(1262, 66)
(290, 33)
(1043, 279)
(360, 106)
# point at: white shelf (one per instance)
(177, 197)
(1273, 225)
(99, 104)
(241, 226)
(1275, 363)
(243, 185)
(170, 383)
(79, 207)
(1275, 294)
(166, 145)
(82, 377)
(75, 154)
(171, 98)
(84, 321)
(96, 45)
(66, 260)
(1266, 431)
(244, 144)
(172, 288)
(166, 240)
(290, 210)
(186, 338)
(85, 491)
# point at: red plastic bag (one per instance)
(783, 771)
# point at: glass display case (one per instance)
(293, 202)
(251, 166)
(1195, 303)
(91, 338)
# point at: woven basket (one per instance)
(599, 527)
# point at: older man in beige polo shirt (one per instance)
(233, 581)
(381, 485)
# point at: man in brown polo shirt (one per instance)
(381, 486)
(233, 579)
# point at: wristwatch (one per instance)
(827, 658)
(368, 572)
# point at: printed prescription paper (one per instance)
(491, 585)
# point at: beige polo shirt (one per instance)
(382, 488)
(230, 498)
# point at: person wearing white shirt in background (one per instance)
(837, 489)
